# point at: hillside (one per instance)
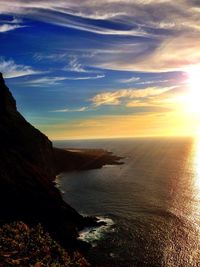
(27, 173)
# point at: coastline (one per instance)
(82, 159)
(28, 171)
(71, 159)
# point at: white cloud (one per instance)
(54, 57)
(130, 80)
(58, 13)
(170, 54)
(172, 29)
(16, 21)
(155, 14)
(11, 70)
(70, 110)
(86, 77)
(8, 27)
(74, 66)
(116, 97)
(103, 31)
(45, 81)
(153, 82)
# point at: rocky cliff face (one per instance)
(27, 172)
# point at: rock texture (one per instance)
(27, 172)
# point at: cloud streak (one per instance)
(8, 27)
(74, 66)
(45, 81)
(48, 81)
(70, 110)
(167, 32)
(12, 70)
(125, 95)
(100, 76)
(130, 80)
(82, 15)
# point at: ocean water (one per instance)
(151, 203)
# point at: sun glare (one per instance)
(194, 89)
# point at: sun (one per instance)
(193, 96)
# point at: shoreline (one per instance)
(29, 183)
(71, 159)
(83, 159)
(28, 170)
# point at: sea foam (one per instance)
(93, 234)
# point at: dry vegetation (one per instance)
(21, 246)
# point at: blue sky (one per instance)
(85, 69)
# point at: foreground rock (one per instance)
(28, 167)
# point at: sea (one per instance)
(151, 203)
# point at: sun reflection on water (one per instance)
(195, 182)
(196, 165)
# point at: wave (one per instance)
(93, 234)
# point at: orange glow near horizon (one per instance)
(194, 89)
(180, 117)
(152, 125)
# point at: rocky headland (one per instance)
(28, 168)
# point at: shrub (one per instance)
(21, 246)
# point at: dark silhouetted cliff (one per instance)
(27, 172)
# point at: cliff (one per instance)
(27, 171)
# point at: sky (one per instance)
(97, 69)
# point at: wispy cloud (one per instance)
(70, 110)
(170, 54)
(53, 57)
(12, 70)
(14, 20)
(168, 31)
(153, 82)
(82, 15)
(48, 81)
(116, 97)
(45, 81)
(10, 25)
(129, 80)
(86, 77)
(74, 65)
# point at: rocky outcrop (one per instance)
(27, 172)
(83, 159)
